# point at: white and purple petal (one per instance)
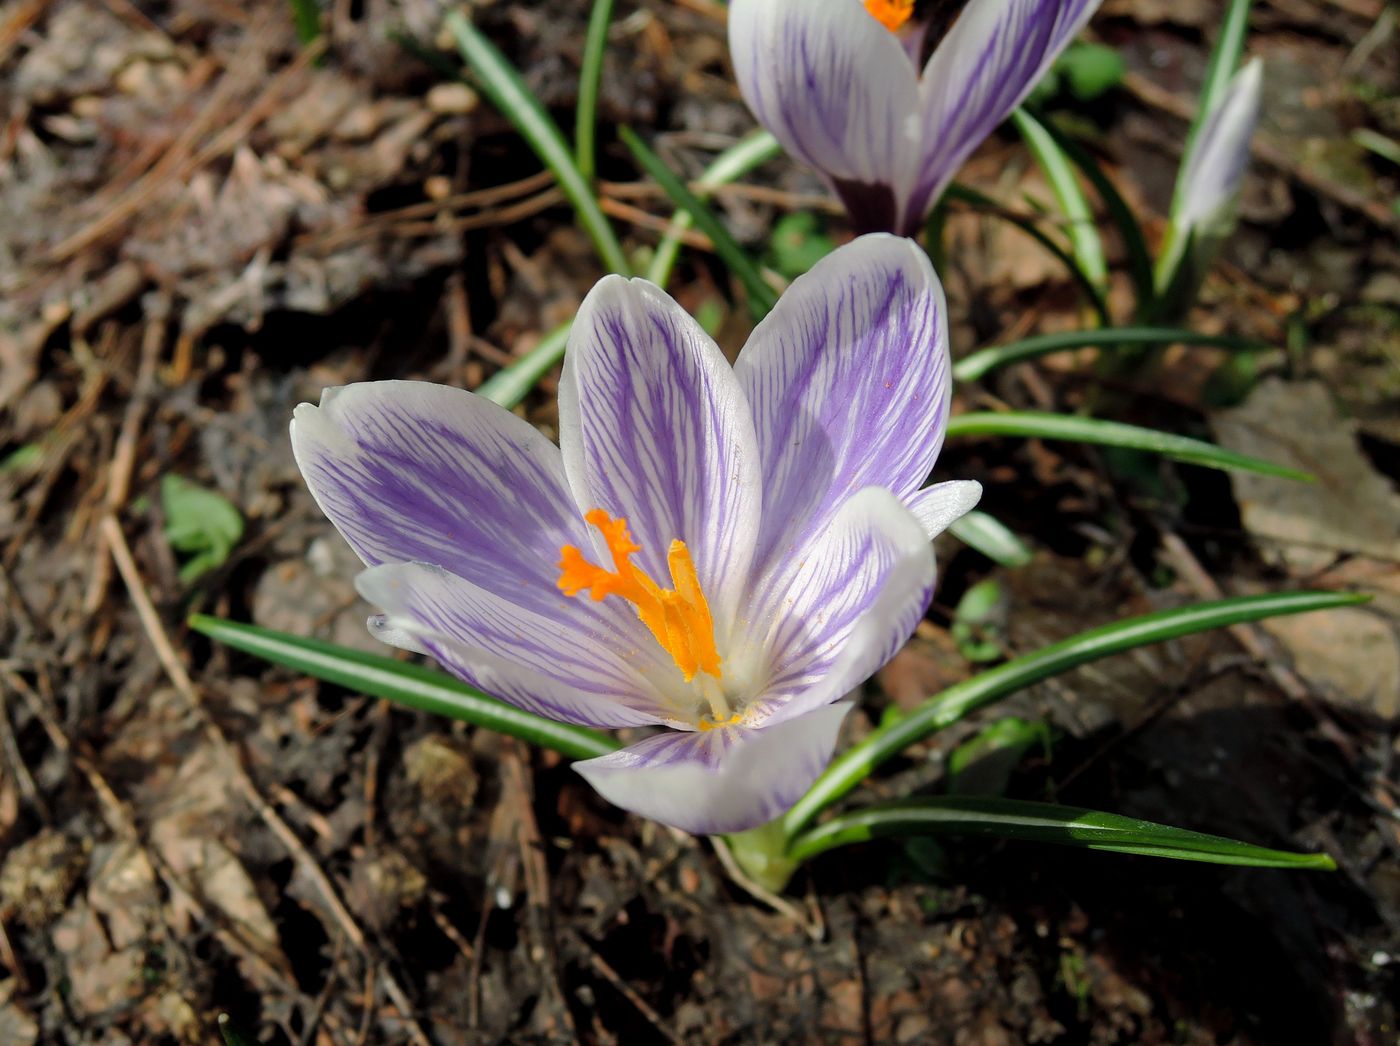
(544, 664)
(838, 90)
(843, 605)
(1211, 178)
(718, 781)
(654, 428)
(990, 60)
(848, 381)
(411, 471)
(940, 506)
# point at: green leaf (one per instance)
(511, 384)
(1134, 241)
(23, 458)
(992, 538)
(406, 684)
(1042, 823)
(595, 42)
(1085, 242)
(978, 621)
(1091, 70)
(855, 764)
(983, 764)
(761, 296)
(1037, 425)
(797, 243)
(505, 87)
(958, 191)
(306, 16)
(200, 522)
(982, 362)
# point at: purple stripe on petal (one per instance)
(539, 663)
(833, 85)
(995, 53)
(844, 605)
(719, 780)
(654, 428)
(848, 380)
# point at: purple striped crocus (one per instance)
(720, 551)
(837, 82)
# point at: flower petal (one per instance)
(848, 380)
(654, 428)
(719, 780)
(1211, 179)
(995, 53)
(940, 506)
(844, 605)
(411, 471)
(544, 665)
(837, 89)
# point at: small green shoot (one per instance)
(979, 622)
(200, 523)
(796, 243)
(1090, 70)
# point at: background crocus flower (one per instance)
(720, 551)
(838, 83)
(1208, 188)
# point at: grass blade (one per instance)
(761, 295)
(735, 162)
(992, 538)
(595, 42)
(410, 685)
(306, 17)
(504, 86)
(1134, 241)
(1085, 242)
(966, 194)
(855, 764)
(982, 362)
(1038, 425)
(1041, 823)
(511, 384)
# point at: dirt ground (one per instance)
(203, 223)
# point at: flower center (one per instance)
(679, 617)
(892, 14)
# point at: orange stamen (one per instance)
(679, 617)
(892, 14)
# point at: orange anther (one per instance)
(678, 617)
(891, 14)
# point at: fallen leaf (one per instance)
(1304, 526)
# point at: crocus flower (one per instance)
(1208, 185)
(720, 551)
(838, 83)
